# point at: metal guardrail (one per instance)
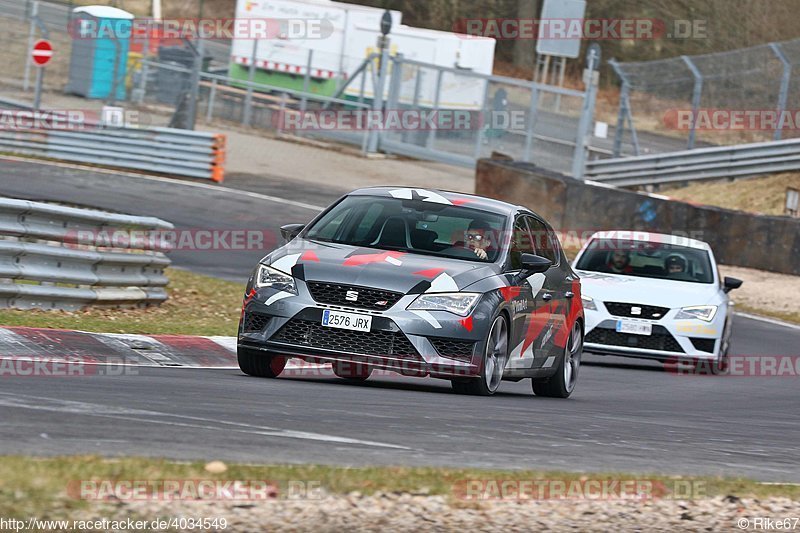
(169, 151)
(56, 257)
(699, 164)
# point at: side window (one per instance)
(521, 243)
(542, 239)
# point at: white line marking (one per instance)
(172, 181)
(772, 321)
(39, 403)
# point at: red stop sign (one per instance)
(42, 52)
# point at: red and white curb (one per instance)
(176, 351)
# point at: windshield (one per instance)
(412, 226)
(647, 260)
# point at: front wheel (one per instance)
(493, 364)
(562, 383)
(260, 364)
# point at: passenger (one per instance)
(620, 263)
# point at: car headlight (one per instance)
(268, 277)
(699, 312)
(588, 303)
(459, 303)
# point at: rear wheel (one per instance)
(562, 383)
(493, 364)
(352, 371)
(260, 364)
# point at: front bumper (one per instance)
(437, 343)
(670, 340)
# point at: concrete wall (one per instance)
(737, 238)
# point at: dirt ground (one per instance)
(766, 292)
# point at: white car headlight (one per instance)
(459, 303)
(699, 312)
(268, 277)
(588, 303)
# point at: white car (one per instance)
(655, 296)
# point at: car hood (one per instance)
(647, 291)
(370, 267)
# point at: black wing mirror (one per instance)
(730, 284)
(534, 264)
(290, 231)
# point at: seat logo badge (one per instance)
(351, 296)
(636, 310)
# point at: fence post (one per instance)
(34, 12)
(212, 95)
(533, 111)
(591, 79)
(377, 97)
(784, 90)
(479, 137)
(436, 99)
(248, 99)
(696, 94)
(306, 81)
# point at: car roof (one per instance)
(646, 236)
(440, 196)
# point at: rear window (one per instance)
(647, 260)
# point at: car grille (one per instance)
(453, 349)
(255, 322)
(378, 343)
(704, 345)
(651, 312)
(336, 294)
(660, 340)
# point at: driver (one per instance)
(477, 238)
(675, 264)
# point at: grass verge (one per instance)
(197, 305)
(41, 487)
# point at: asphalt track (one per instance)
(626, 415)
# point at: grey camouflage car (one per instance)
(422, 283)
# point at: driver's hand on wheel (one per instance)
(481, 253)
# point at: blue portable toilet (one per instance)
(101, 37)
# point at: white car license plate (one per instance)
(634, 328)
(352, 321)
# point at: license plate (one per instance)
(351, 321)
(634, 328)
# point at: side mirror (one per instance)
(730, 284)
(290, 231)
(534, 264)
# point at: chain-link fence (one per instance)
(740, 96)
(181, 83)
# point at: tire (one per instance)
(352, 371)
(260, 364)
(563, 382)
(495, 357)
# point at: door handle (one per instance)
(569, 294)
(547, 297)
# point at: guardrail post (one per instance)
(696, 95)
(591, 79)
(248, 99)
(784, 90)
(281, 111)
